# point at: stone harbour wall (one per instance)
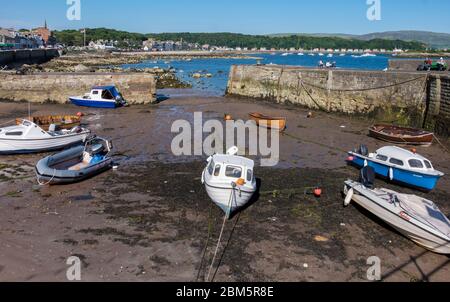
(28, 56)
(390, 96)
(136, 88)
(437, 116)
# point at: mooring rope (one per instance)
(439, 142)
(225, 218)
(47, 183)
(210, 228)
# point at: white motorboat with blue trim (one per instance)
(229, 180)
(399, 165)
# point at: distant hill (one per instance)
(432, 39)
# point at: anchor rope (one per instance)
(221, 233)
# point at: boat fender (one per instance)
(391, 174)
(233, 151)
(349, 197)
(366, 163)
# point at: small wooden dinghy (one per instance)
(75, 164)
(61, 121)
(401, 135)
(277, 123)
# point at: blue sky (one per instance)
(243, 16)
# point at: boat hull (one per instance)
(277, 123)
(401, 135)
(221, 197)
(410, 178)
(410, 230)
(24, 146)
(93, 103)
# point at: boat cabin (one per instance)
(401, 158)
(225, 168)
(99, 93)
(25, 129)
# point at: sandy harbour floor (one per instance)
(149, 219)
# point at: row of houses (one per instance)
(26, 39)
(153, 45)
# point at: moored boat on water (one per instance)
(100, 97)
(229, 180)
(397, 164)
(401, 135)
(277, 123)
(30, 138)
(61, 121)
(417, 218)
(75, 164)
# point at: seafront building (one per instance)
(26, 39)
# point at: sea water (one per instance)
(219, 68)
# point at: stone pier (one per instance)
(399, 97)
(137, 88)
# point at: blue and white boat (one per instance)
(100, 97)
(398, 165)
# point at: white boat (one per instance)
(330, 55)
(300, 54)
(417, 218)
(311, 54)
(28, 137)
(321, 54)
(342, 55)
(368, 55)
(229, 180)
(285, 54)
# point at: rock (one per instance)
(209, 75)
(196, 75)
(81, 68)
(319, 238)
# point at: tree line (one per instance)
(76, 38)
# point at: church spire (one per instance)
(45, 24)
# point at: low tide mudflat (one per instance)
(149, 220)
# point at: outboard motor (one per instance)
(367, 177)
(363, 150)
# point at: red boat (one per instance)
(402, 135)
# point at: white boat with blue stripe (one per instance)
(398, 165)
(100, 97)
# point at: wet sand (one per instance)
(149, 220)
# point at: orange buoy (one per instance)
(80, 114)
(310, 115)
(350, 158)
(317, 192)
(414, 150)
(228, 117)
(240, 182)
